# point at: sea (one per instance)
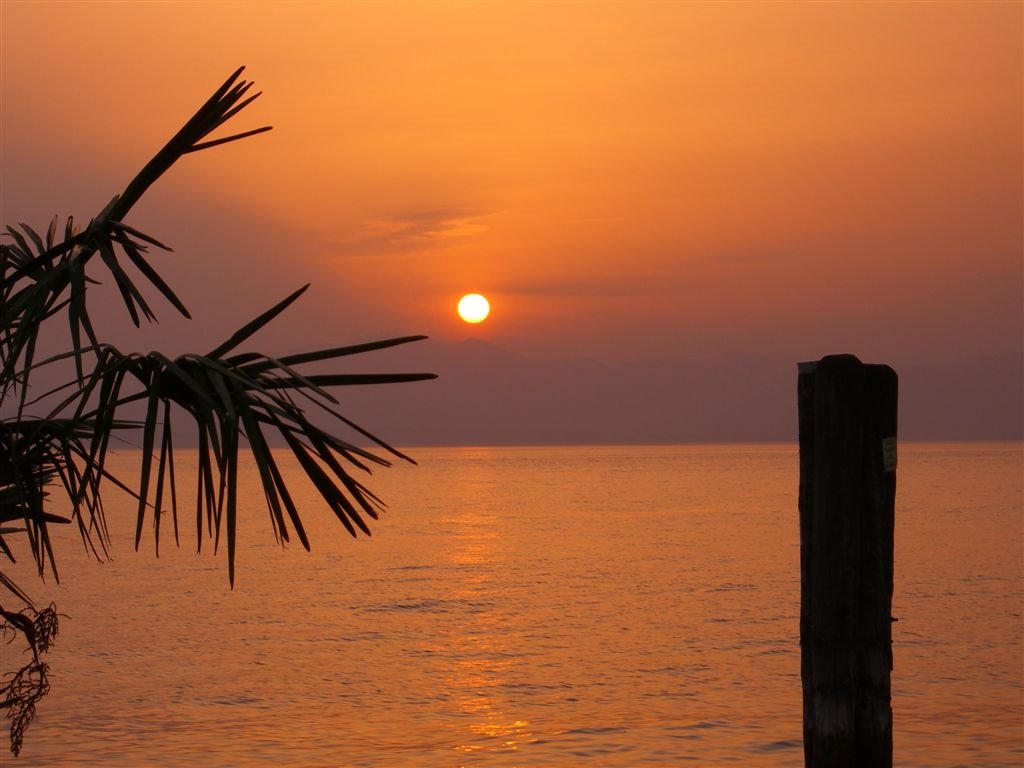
(609, 606)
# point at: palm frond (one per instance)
(235, 400)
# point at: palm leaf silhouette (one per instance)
(235, 400)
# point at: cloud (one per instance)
(637, 283)
(646, 272)
(600, 220)
(412, 232)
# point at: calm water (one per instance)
(599, 606)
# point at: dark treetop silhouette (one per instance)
(60, 439)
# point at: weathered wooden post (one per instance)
(847, 495)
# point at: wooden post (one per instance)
(847, 495)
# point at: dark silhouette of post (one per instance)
(847, 495)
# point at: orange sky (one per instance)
(621, 179)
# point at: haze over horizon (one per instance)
(488, 394)
(670, 183)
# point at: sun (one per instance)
(474, 308)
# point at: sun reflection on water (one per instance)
(482, 662)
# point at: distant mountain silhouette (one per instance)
(486, 394)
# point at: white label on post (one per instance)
(889, 454)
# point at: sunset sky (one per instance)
(622, 180)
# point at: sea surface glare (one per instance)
(549, 606)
